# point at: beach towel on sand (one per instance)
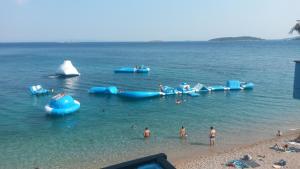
(237, 164)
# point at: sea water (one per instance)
(109, 129)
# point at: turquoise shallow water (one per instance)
(108, 129)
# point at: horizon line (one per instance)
(140, 41)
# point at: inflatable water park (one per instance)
(136, 69)
(230, 85)
(183, 88)
(66, 69)
(62, 104)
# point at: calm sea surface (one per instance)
(108, 129)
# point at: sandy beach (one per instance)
(260, 152)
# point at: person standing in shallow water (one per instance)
(182, 132)
(147, 133)
(212, 136)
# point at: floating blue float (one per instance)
(234, 85)
(168, 90)
(184, 88)
(230, 85)
(104, 90)
(38, 90)
(62, 105)
(140, 94)
(138, 69)
(247, 86)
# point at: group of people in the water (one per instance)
(183, 134)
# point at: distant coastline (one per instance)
(238, 38)
(220, 39)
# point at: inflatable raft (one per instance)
(67, 69)
(62, 105)
(38, 90)
(104, 90)
(138, 69)
(230, 85)
(140, 94)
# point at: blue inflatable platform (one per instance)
(104, 90)
(62, 105)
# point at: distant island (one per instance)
(239, 38)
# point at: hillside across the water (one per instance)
(239, 38)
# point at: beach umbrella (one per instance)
(296, 27)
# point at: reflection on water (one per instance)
(69, 84)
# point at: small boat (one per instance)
(38, 90)
(104, 90)
(138, 69)
(62, 105)
(140, 94)
(157, 161)
(67, 69)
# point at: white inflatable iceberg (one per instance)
(67, 69)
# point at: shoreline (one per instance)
(217, 159)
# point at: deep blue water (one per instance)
(108, 129)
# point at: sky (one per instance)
(144, 20)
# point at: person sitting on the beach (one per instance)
(182, 132)
(283, 148)
(147, 133)
(212, 136)
(279, 133)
